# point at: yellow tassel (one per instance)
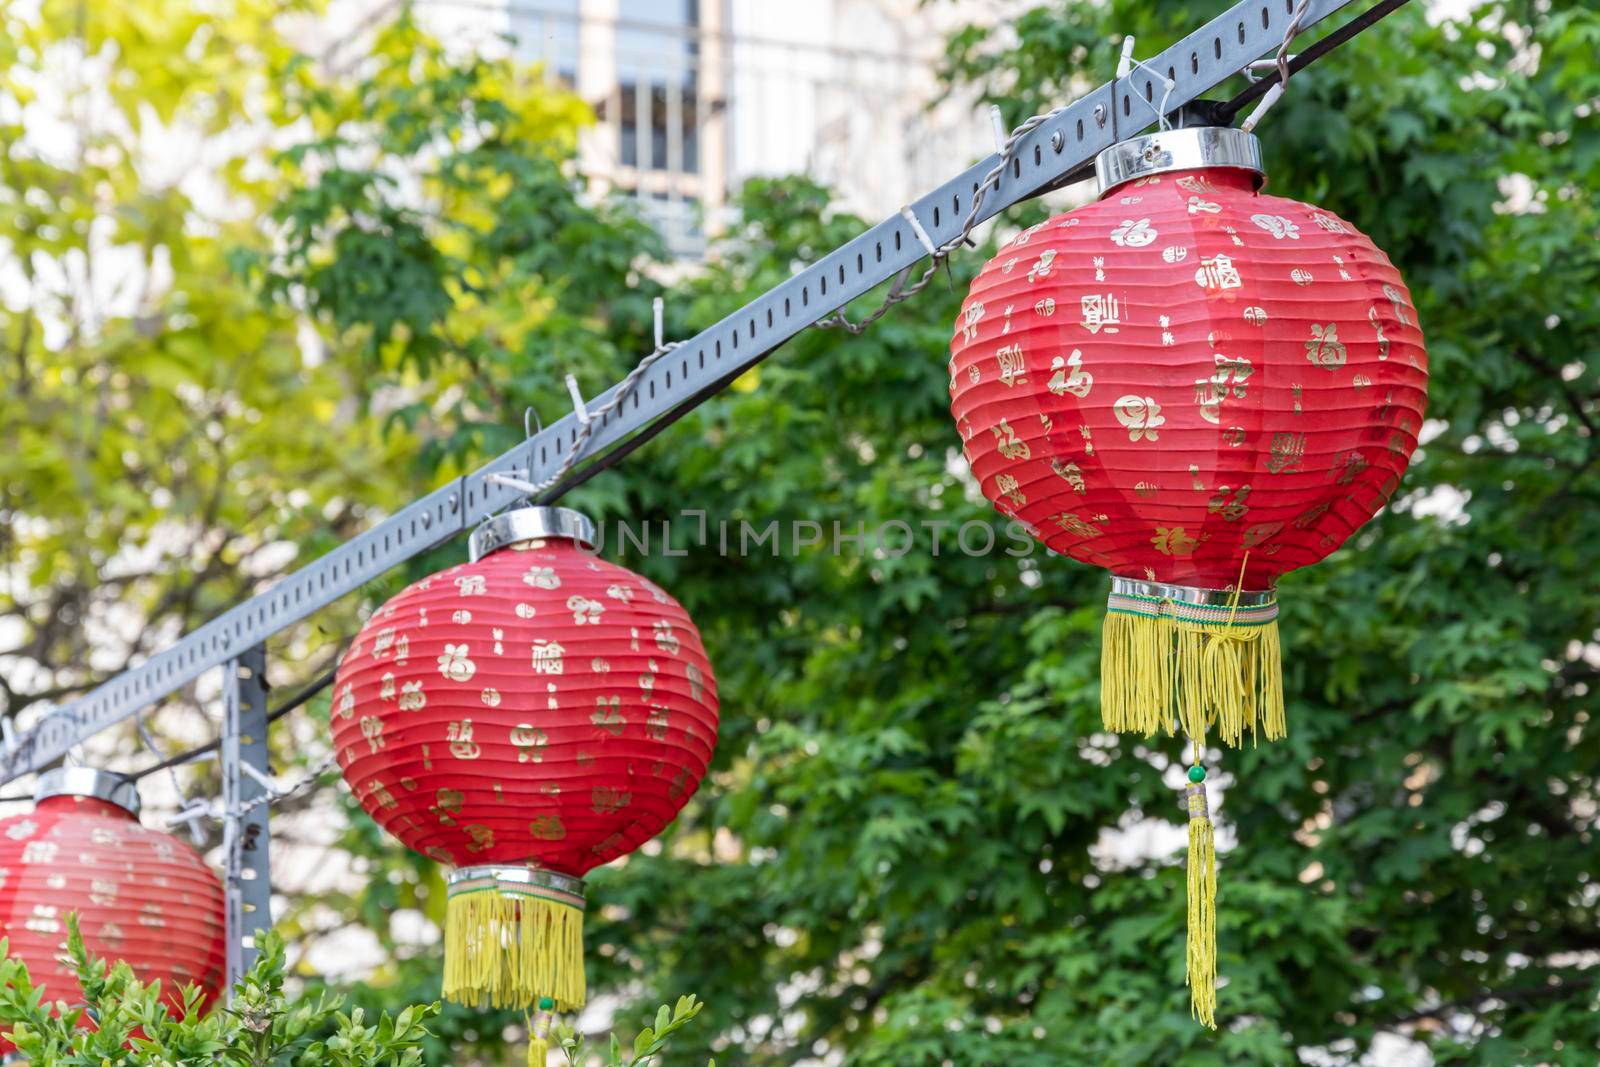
(1162, 672)
(510, 947)
(1201, 974)
(539, 1038)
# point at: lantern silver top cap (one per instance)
(528, 524)
(1186, 149)
(88, 782)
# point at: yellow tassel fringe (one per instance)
(1201, 974)
(1161, 673)
(539, 1039)
(509, 950)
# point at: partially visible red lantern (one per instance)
(140, 895)
(1199, 388)
(524, 718)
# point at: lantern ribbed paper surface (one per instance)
(141, 895)
(525, 718)
(1186, 383)
(1199, 388)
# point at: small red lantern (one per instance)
(1199, 388)
(524, 718)
(140, 895)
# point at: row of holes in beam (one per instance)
(1194, 59)
(159, 671)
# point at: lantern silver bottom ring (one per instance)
(521, 881)
(1191, 594)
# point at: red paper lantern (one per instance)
(524, 718)
(1199, 388)
(140, 895)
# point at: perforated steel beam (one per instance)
(1055, 149)
(247, 874)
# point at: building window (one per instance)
(658, 51)
(547, 32)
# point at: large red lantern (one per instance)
(524, 718)
(140, 895)
(1199, 388)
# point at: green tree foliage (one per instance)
(149, 476)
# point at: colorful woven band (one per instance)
(518, 882)
(1192, 604)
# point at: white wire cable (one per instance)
(273, 796)
(589, 418)
(1275, 91)
(189, 810)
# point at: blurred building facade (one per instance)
(693, 97)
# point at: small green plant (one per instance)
(136, 1025)
(646, 1047)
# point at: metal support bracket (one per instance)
(246, 845)
(1054, 151)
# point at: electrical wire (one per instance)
(299, 699)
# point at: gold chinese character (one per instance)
(1324, 349)
(1013, 367)
(1232, 509)
(1227, 380)
(482, 837)
(970, 317)
(372, 730)
(1010, 489)
(1069, 376)
(1071, 472)
(1347, 466)
(1140, 416)
(447, 805)
(529, 740)
(1133, 233)
(1173, 541)
(1258, 533)
(1399, 302)
(608, 800)
(1287, 450)
(608, 715)
(547, 827)
(1100, 311)
(1075, 526)
(666, 640)
(1009, 445)
(459, 734)
(1217, 274)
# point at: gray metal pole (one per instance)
(245, 839)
